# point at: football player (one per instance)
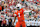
(19, 13)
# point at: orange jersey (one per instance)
(20, 14)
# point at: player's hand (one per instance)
(13, 23)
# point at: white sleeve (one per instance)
(27, 11)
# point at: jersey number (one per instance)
(19, 14)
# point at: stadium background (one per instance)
(32, 16)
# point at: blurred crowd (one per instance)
(8, 7)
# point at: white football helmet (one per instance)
(18, 6)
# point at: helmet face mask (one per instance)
(18, 8)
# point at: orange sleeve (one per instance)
(16, 12)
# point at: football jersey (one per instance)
(20, 14)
